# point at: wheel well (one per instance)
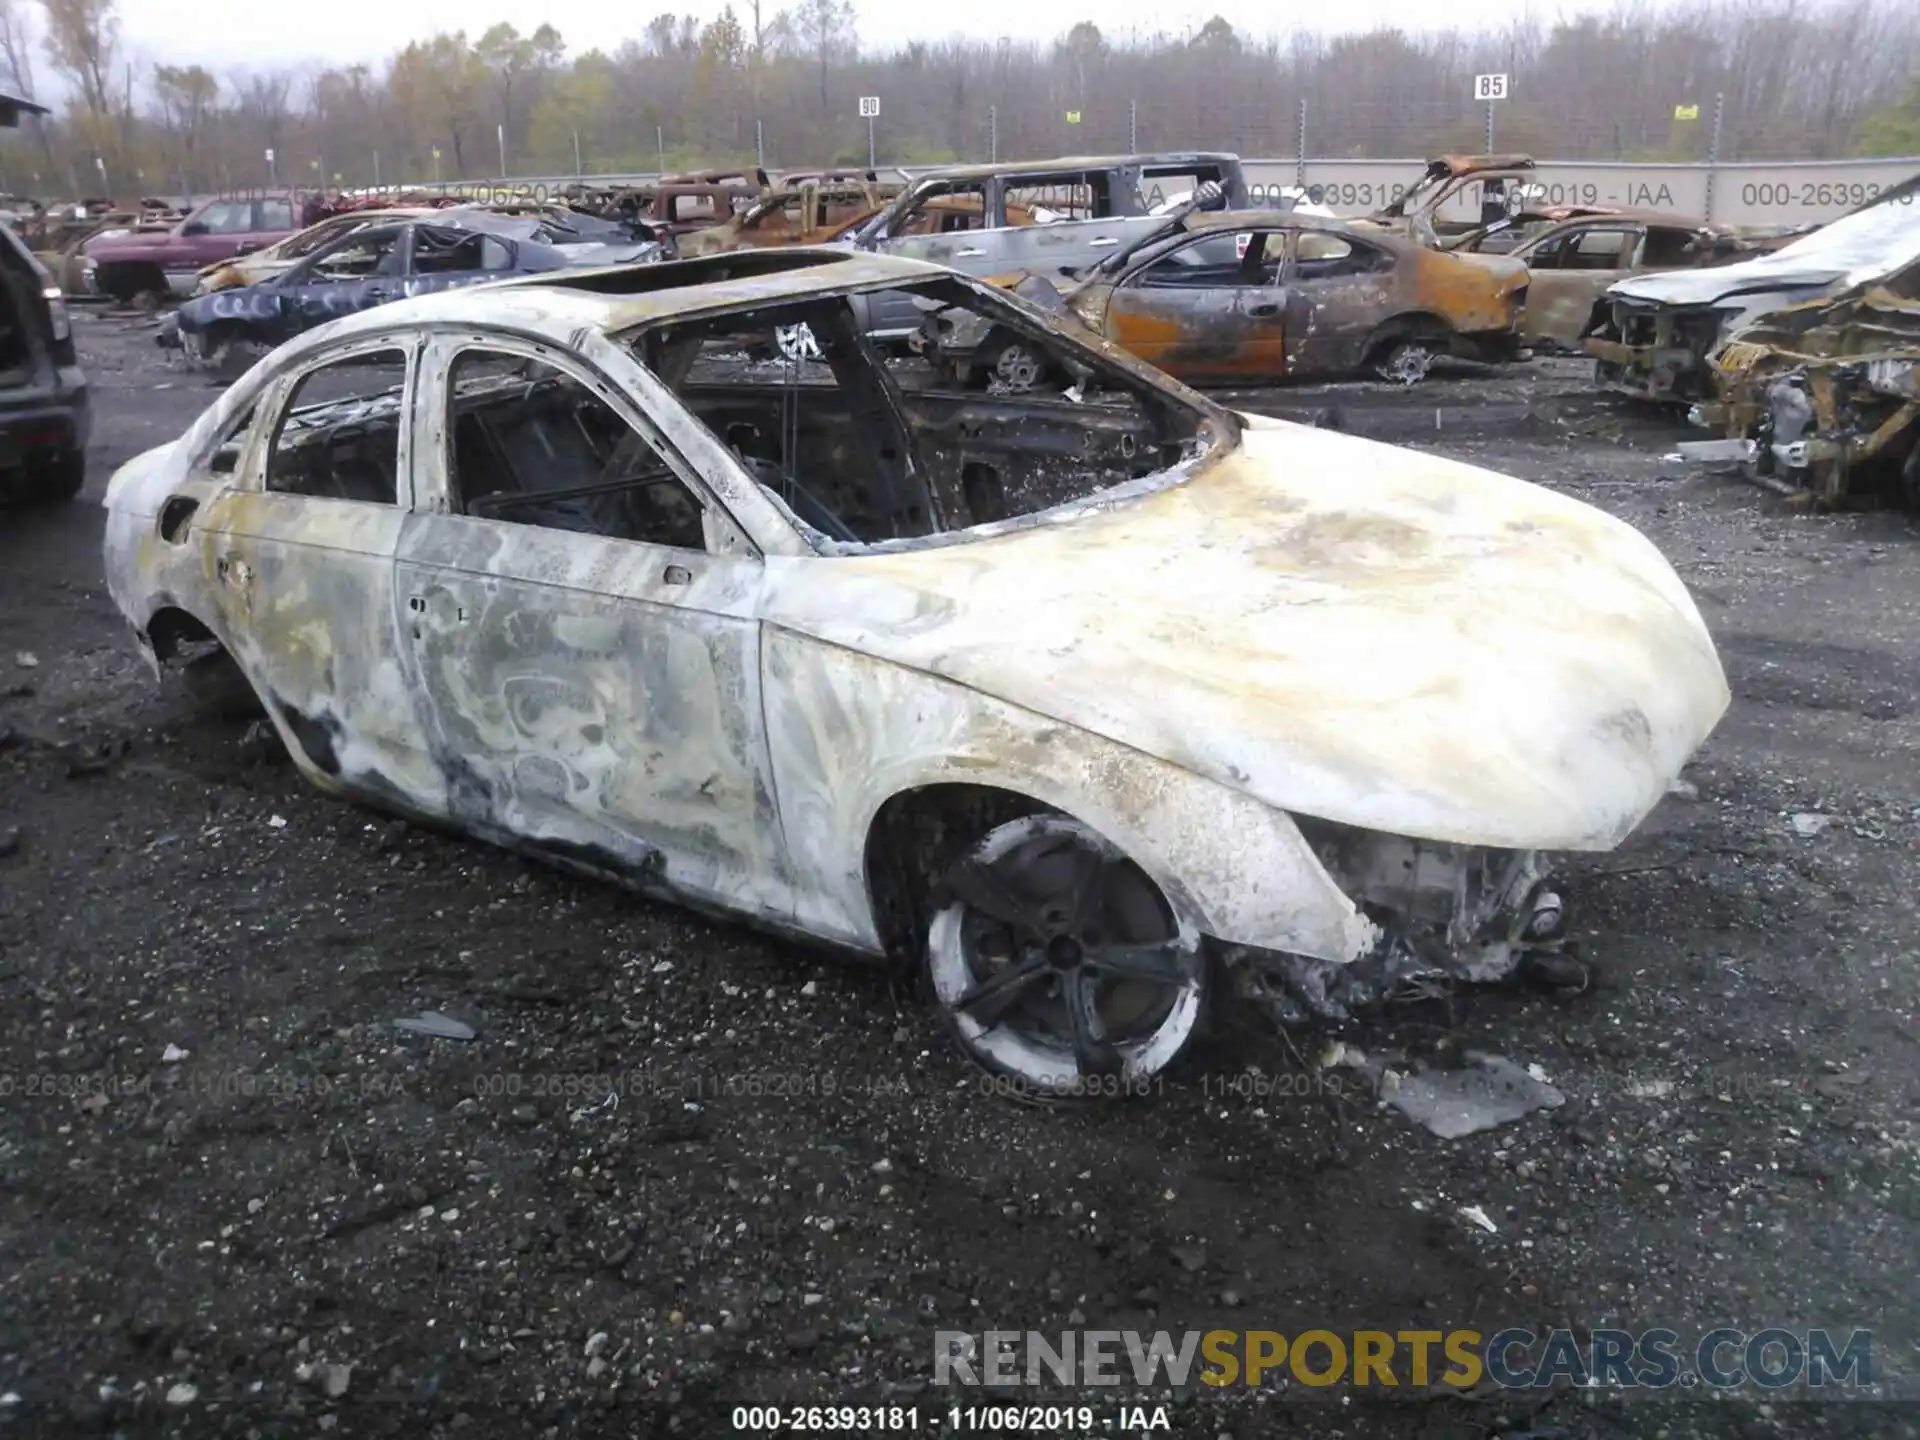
(171, 629)
(1412, 323)
(129, 278)
(915, 836)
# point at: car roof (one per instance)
(1069, 163)
(1202, 222)
(615, 298)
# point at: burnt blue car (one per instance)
(359, 271)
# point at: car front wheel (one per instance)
(1059, 966)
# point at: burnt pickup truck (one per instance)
(167, 263)
(1076, 211)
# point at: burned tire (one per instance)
(1059, 967)
(1008, 365)
(1402, 352)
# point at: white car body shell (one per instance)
(1299, 622)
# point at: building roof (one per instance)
(12, 107)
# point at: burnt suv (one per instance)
(43, 394)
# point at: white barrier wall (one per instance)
(1784, 193)
(1787, 193)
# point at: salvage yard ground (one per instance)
(225, 1177)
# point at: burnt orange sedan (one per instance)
(1256, 297)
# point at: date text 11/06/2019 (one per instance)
(1039, 1420)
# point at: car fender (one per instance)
(848, 733)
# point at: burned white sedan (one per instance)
(1095, 702)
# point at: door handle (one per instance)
(678, 575)
(1264, 308)
(1102, 242)
(967, 254)
(233, 572)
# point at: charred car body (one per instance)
(1080, 209)
(168, 263)
(1502, 182)
(806, 212)
(1088, 706)
(355, 271)
(1827, 393)
(1575, 260)
(256, 266)
(1253, 297)
(1655, 340)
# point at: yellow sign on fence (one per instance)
(1686, 112)
(1073, 117)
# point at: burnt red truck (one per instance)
(167, 263)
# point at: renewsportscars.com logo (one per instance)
(1654, 1359)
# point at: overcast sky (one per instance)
(222, 34)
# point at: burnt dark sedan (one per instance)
(359, 271)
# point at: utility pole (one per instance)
(500, 134)
(376, 169)
(660, 145)
(1300, 146)
(578, 168)
(1713, 147)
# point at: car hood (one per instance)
(1337, 627)
(1852, 250)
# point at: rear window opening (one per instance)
(981, 417)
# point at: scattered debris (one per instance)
(1807, 825)
(1486, 1092)
(433, 1023)
(173, 1055)
(26, 659)
(183, 1394)
(278, 822)
(1479, 1217)
(1711, 452)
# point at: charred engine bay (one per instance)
(760, 1176)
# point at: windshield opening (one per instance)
(919, 410)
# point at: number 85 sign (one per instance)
(1489, 87)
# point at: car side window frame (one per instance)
(443, 353)
(1379, 259)
(279, 393)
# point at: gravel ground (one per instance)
(234, 1200)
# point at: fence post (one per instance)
(993, 134)
(1713, 149)
(660, 146)
(1300, 147)
(1133, 127)
(759, 145)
